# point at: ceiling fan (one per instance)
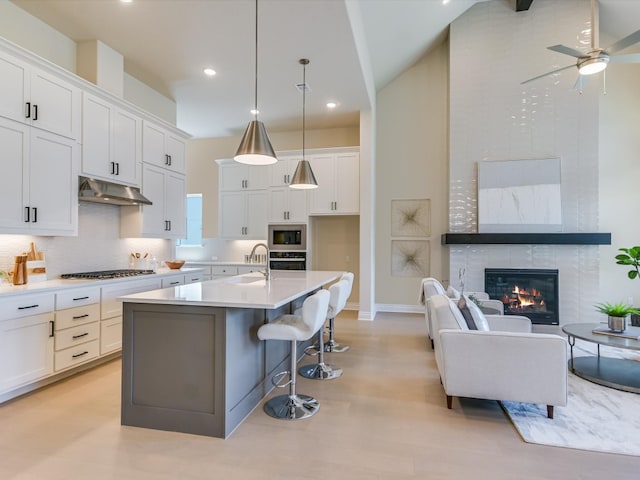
(597, 59)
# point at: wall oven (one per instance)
(287, 246)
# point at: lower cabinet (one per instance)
(110, 335)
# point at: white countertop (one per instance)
(241, 291)
(62, 284)
(224, 264)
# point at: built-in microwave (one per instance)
(287, 237)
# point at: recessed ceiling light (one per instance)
(332, 105)
(444, 2)
(126, 1)
(210, 72)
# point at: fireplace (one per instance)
(532, 293)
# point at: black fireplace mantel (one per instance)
(526, 239)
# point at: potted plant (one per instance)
(631, 257)
(617, 314)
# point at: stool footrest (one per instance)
(275, 380)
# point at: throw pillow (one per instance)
(478, 316)
(466, 313)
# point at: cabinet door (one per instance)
(96, 138)
(14, 148)
(26, 350)
(176, 205)
(279, 173)
(13, 94)
(232, 177)
(176, 149)
(232, 210)
(322, 199)
(127, 146)
(278, 204)
(58, 105)
(153, 218)
(257, 177)
(347, 181)
(53, 184)
(298, 206)
(110, 335)
(153, 149)
(256, 215)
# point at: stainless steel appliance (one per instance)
(287, 246)
(102, 274)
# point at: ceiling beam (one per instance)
(522, 5)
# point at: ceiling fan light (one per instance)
(593, 65)
(303, 177)
(255, 147)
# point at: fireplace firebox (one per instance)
(532, 293)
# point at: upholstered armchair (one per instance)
(502, 360)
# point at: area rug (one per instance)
(596, 418)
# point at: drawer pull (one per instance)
(75, 337)
(80, 298)
(79, 354)
(175, 283)
(29, 306)
(77, 317)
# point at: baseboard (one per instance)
(396, 308)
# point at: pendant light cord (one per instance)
(255, 92)
(304, 101)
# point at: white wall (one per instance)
(493, 117)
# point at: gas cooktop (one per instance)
(105, 274)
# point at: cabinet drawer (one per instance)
(173, 281)
(77, 297)
(76, 355)
(26, 305)
(111, 306)
(72, 317)
(220, 270)
(77, 335)
(251, 269)
(193, 277)
(110, 335)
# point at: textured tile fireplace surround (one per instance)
(493, 117)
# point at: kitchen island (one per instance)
(191, 358)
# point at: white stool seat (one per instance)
(295, 328)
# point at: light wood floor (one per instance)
(386, 418)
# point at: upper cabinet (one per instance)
(166, 218)
(281, 172)
(163, 148)
(234, 176)
(111, 141)
(35, 97)
(338, 176)
(40, 188)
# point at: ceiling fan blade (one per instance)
(568, 51)
(629, 58)
(624, 43)
(547, 74)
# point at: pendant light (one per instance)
(255, 147)
(303, 177)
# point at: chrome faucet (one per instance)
(267, 270)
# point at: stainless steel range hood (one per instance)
(100, 191)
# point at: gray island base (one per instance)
(191, 358)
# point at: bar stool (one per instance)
(332, 345)
(339, 292)
(295, 328)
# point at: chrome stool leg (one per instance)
(320, 370)
(292, 406)
(332, 345)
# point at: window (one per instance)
(194, 221)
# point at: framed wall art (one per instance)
(411, 218)
(410, 258)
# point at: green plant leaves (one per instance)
(631, 256)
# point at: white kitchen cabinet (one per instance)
(111, 142)
(288, 204)
(243, 215)
(235, 177)
(163, 148)
(26, 339)
(33, 162)
(338, 176)
(195, 277)
(167, 217)
(35, 97)
(224, 270)
(281, 172)
(172, 280)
